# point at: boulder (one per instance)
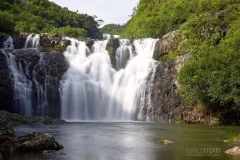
(167, 43)
(37, 142)
(234, 151)
(165, 142)
(7, 136)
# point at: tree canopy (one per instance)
(44, 16)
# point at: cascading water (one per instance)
(124, 54)
(106, 36)
(24, 81)
(32, 41)
(21, 84)
(42, 102)
(92, 90)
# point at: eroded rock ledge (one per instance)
(32, 142)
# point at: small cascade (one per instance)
(42, 102)
(92, 90)
(124, 54)
(116, 36)
(21, 83)
(106, 36)
(8, 44)
(32, 41)
(100, 47)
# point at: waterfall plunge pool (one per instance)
(131, 141)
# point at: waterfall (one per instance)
(42, 102)
(24, 81)
(92, 90)
(32, 41)
(123, 54)
(21, 84)
(106, 36)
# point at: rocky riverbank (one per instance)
(32, 142)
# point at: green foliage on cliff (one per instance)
(44, 16)
(154, 18)
(113, 29)
(69, 31)
(6, 22)
(212, 78)
(210, 32)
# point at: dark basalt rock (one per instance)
(50, 43)
(19, 41)
(112, 47)
(3, 38)
(36, 142)
(6, 91)
(89, 43)
(50, 121)
(164, 96)
(16, 119)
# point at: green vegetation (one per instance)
(212, 78)
(69, 31)
(6, 22)
(112, 46)
(232, 139)
(31, 118)
(113, 29)
(209, 31)
(35, 16)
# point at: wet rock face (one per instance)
(164, 103)
(167, 43)
(89, 43)
(112, 47)
(35, 142)
(6, 91)
(3, 38)
(50, 43)
(19, 41)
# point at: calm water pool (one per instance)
(132, 141)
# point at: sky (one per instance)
(110, 11)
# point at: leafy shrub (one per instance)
(70, 32)
(6, 22)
